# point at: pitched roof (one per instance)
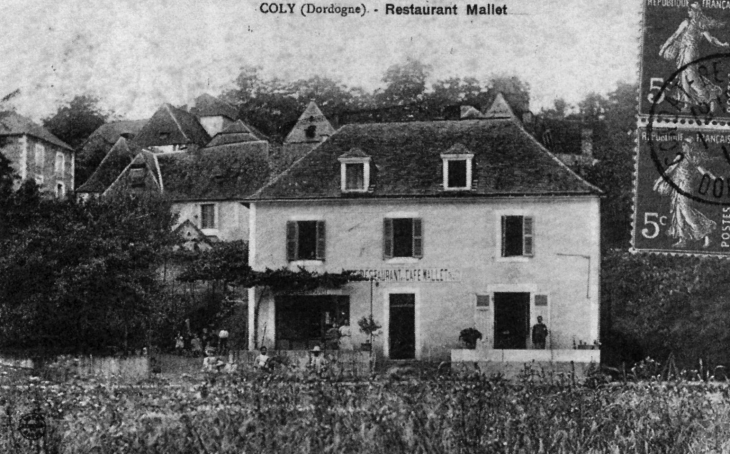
(12, 124)
(115, 161)
(407, 159)
(499, 108)
(234, 133)
(226, 172)
(210, 106)
(110, 132)
(171, 126)
(312, 126)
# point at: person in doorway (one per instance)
(179, 343)
(333, 337)
(539, 334)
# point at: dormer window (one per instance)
(354, 171)
(457, 168)
(136, 176)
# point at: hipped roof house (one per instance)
(14, 124)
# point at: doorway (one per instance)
(511, 320)
(302, 321)
(402, 326)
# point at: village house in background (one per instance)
(457, 224)
(37, 154)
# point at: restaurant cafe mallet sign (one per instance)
(411, 274)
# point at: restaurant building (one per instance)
(455, 224)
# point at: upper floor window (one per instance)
(207, 216)
(305, 240)
(355, 171)
(40, 153)
(402, 237)
(517, 236)
(457, 168)
(60, 163)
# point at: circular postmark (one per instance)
(32, 426)
(695, 163)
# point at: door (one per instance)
(402, 326)
(511, 320)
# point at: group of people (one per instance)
(316, 363)
(197, 344)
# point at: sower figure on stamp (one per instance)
(539, 334)
(687, 223)
(694, 88)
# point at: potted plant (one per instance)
(469, 337)
(368, 326)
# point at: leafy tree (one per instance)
(405, 83)
(74, 122)
(80, 276)
(515, 91)
(559, 110)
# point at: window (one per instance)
(457, 162)
(456, 174)
(60, 190)
(517, 236)
(136, 177)
(402, 237)
(207, 216)
(305, 240)
(40, 152)
(355, 171)
(60, 163)
(355, 176)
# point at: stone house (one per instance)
(37, 154)
(456, 224)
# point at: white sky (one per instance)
(136, 54)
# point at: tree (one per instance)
(405, 83)
(515, 91)
(74, 122)
(80, 276)
(559, 111)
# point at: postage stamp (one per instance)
(685, 71)
(682, 199)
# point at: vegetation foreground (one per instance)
(265, 414)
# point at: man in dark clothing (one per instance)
(539, 334)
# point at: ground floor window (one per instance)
(302, 321)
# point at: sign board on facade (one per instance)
(411, 274)
(683, 191)
(685, 61)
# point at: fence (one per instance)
(347, 363)
(62, 368)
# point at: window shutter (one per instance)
(417, 238)
(321, 240)
(527, 236)
(387, 238)
(292, 235)
(504, 236)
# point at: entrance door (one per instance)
(511, 320)
(402, 326)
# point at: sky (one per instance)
(136, 54)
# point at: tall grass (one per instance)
(268, 414)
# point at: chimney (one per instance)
(586, 142)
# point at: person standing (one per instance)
(223, 341)
(262, 361)
(539, 334)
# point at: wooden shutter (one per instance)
(417, 238)
(321, 240)
(292, 243)
(387, 238)
(527, 236)
(504, 236)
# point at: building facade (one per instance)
(37, 154)
(454, 224)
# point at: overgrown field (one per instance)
(439, 415)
